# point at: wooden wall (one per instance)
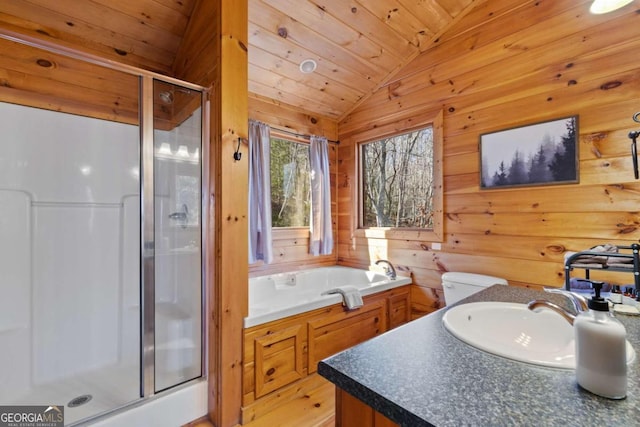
(214, 54)
(229, 299)
(510, 63)
(291, 245)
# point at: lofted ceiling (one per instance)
(358, 45)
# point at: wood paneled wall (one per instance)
(510, 63)
(215, 55)
(230, 297)
(291, 245)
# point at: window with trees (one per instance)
(290, 185)
(397, 176)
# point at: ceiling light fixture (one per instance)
(606, 6)
(308, 66)
(182, 152)
(165, 149)
(166, 97)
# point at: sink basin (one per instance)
(513, 331)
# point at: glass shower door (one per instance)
(178, 234)
(100, 235)
(69, 258)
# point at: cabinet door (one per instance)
(351, 412)
(278, 359)
(340, 331)
(399, 309)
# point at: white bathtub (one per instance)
(281, 295)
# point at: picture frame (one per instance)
(543, 153)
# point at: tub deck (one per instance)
(281, 295)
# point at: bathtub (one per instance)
(277, 296)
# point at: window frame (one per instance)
(435, 234)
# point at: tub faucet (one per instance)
(389, 270)
(578, 301)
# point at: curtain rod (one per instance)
(301, 135)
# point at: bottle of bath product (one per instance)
(616, 295)
(601, 359)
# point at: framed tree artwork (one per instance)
(538, 154)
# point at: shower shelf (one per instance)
(187, 250)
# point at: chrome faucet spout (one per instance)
(578, 302)
(389, 270)
(536, 305)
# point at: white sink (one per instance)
(513, 331)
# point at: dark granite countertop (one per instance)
(420, 375)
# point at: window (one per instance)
(400, 191)
(290, 188)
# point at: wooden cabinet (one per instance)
(399, 309)
(281, 355)
(275, 354)
(278, 359)
(331, 334)
(352, 412)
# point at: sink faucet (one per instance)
(536, 305)
(389, 270)
(578, 301)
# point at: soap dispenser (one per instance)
(601, 359)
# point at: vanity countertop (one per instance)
(420, 375)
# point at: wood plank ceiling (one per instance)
(358, 45)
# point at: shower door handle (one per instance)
(180, 216)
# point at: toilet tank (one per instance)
(461, 285)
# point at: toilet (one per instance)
(461, 285)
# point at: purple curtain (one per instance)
(321, 242)
(260, 241)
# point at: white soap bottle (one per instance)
(601, 358)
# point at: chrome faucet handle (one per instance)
(578, 301)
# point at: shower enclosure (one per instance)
(101, 295)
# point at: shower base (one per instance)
(109, 388)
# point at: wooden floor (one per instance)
(305, 412)
(329, 423)
(289, 423)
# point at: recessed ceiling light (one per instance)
(308, 66)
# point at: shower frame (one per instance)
(147, 210)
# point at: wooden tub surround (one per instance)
(281, 357)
